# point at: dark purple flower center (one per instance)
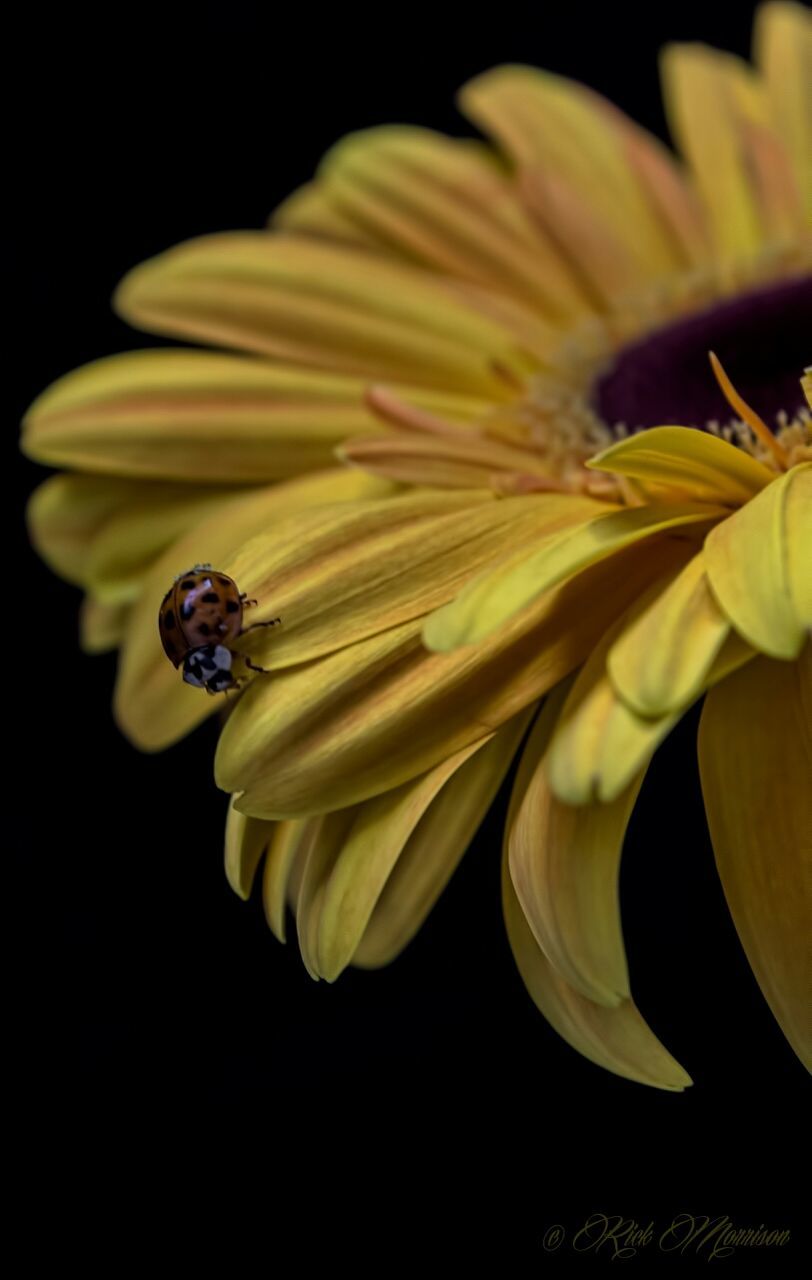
(763, 339)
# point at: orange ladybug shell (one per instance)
(202, 607)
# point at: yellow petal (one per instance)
(703, 467)
(806, 383)
(564, 864)
(369, 717)
(600, 744)
(152, 704)
(755, 759)
(345, 572)
(309, 211)
(733, 654)
(378, 837)
(566, 138)
(493, 598)
(414, 461)
(759, 566)
(537, 335)
(435, 847)
(194, 416)
(288, 844)
(104, 533)
(720, 116)
(102, 626)
(135, 536)
(665, 186)
(783, 51)
(700, 118)
(659, 662)
(245, 843)
(64, 515)
(798, 532)
(615, 1038)
(323, 841)
(316, 303)
(465, 462)
(446, 203)
(587, 241)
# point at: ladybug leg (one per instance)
(245, 602)
(236, 683)
(253, 666)
(273, 622)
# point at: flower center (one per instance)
(762, 338)
(644, 365)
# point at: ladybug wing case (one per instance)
(172, 638)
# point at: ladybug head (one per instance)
(209, 667)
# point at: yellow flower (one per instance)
(469, 327)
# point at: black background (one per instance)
(427, 1104)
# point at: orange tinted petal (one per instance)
(755, 759)
(321, 304)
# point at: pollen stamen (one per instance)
(748, 415)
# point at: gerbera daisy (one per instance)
(472, 326)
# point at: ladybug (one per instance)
(199, 616)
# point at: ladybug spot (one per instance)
(224, 582)
(169, 620)
(204, 628)
(211, 597)
(186, 611)
(187, 585)
(231, 606)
